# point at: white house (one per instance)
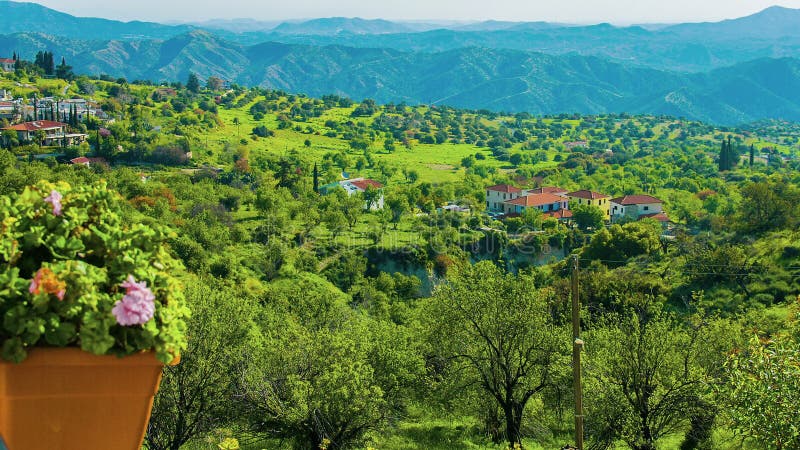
(635, 206)
(498, 194)
(355, 185)
(7, 64)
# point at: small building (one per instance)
(543, 202)
(634, 206)
(498, 194)
(563, 215)
(357, 185)
(8, 110)
(80, 161)
(7, 64)
(591, 198)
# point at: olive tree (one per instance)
(496, 331)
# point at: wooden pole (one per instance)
(577, 345)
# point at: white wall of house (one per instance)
(635, 211)
(495, 199)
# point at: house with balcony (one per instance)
(51, 133)
(591, 198)
(497, 195)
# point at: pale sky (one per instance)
(568, 11)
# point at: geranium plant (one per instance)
(75, 272)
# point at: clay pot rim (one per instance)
(74, 356)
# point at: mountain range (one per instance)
(726, 72)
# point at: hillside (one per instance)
(294, 281)
(31, 17)
(499, 80)
(728, 72)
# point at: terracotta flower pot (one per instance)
(65, 398)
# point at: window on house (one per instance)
(646, 208)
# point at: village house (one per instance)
(357, 185)
(543, 202)
(52, 133)
(84, 161)
(8, 110)
(498, 194)
(563, 215)
(7, 64)
(586, 197)
(634, 207)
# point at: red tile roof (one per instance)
(36, 125)
(79, 160)
(6, 60)
(560, 214)
(547, 190)
(536, 200)
(635, 200)
(504, 188)
(661, 217)
(363, 184)
(589, 195)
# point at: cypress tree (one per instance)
(752, 154)
(316, 179)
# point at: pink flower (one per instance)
(54, 199)
(137, 306)
(45, 281)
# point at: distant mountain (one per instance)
(726, 72)
(772, 23)
(699, 47)
(30, 17)
(341, 25)
(238, 25)
(495, 79)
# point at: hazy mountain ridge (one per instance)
(587, 69)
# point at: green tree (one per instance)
(193, 83)
(619, 243)
(588, 216)
(195, 396)
(496, 331)
(323, 373)
(644, 378)
(763, 392)
(397, 204)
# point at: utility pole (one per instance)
(577, 346)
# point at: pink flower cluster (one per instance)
(54, 199)
(45, 281)
(137, 306)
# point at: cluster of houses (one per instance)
(46, 117)
(557, 202)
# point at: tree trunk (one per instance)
(513, 414)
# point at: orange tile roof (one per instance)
(587, 194)
(560, 214)
(363, 184)
(36, 125)
(504, 188)
(536, 200)
(547, 190)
